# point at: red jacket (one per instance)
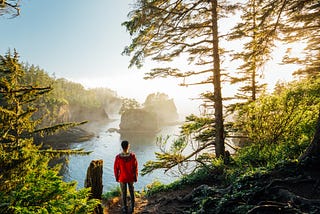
(126, 168)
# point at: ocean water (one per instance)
(106, 145)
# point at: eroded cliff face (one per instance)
(63, 114)
(67, 113)
(77, 112)
(139, 121)
(81, 113)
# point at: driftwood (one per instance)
(94, 181)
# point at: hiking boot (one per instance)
(131, 207)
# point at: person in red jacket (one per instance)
(126, 173)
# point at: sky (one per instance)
(82, 41)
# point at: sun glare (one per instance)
(276, 71)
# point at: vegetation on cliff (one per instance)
(69, 101)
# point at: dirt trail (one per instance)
(114, 206)
(161, 203)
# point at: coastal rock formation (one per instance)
(163, 107)
(139, 120)
(158, 110)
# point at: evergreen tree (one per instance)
(128, 104)
(299, 22)
(258, 32)
(166, 30)
(303, 26)
(28, 185)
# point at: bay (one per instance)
(106, 145)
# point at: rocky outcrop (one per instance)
(163, 107)
(158, 111)
(139, 121)
(63, 138)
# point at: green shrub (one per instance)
(115, 192)
(280, 125)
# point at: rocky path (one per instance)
(161, 203)
(114, 206)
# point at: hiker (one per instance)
(126, 173)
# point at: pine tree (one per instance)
(258, 32)
(28, 185)
(164, 31)
(299, 22)
(303, 26)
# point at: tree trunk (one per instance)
(218, 110)
(313, 151)
(94, 181)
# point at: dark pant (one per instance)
(123, 187)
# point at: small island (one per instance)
(157, 111)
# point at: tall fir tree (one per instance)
(166, 30)
(28, 185)
(302, 27)
(259, 35)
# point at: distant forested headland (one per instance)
(70, 101)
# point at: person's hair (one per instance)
(124, 145)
